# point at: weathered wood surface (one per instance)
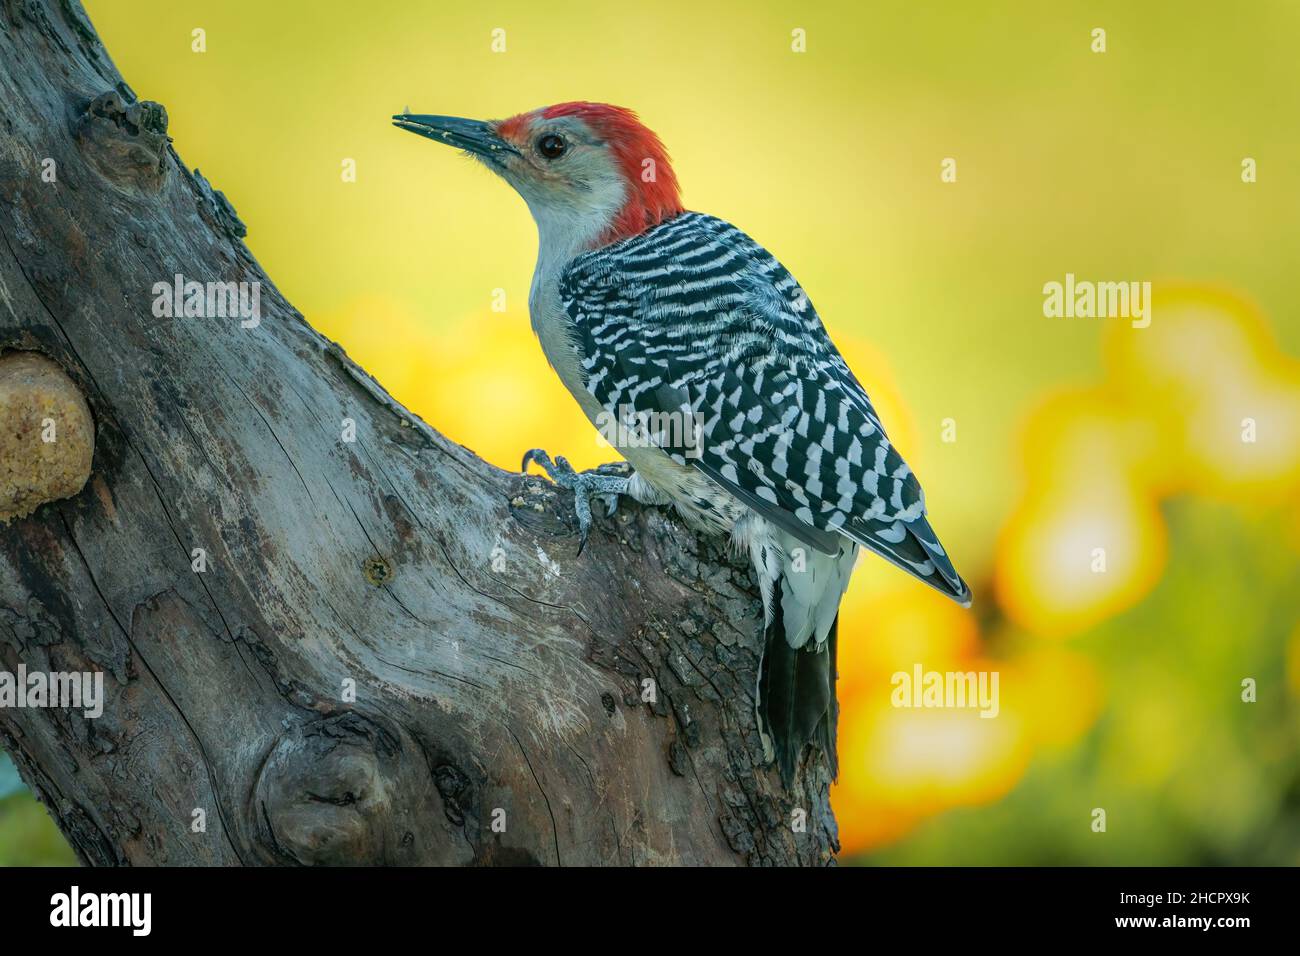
(494, 672)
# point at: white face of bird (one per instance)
(576, 165)
(569, 177)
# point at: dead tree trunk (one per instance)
(513, 703)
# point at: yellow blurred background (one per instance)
(1124, 501)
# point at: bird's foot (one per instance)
(605, 484)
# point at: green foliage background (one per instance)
(27, 835)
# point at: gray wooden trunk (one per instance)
(498, 678)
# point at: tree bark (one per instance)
(514, 703)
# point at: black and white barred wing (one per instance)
(693, 333)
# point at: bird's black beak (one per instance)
(473, 136)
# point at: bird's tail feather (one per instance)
(827, 731)
(796, 688)
(796, 696)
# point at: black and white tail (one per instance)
(803, 586)
(796, 700)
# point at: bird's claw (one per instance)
(605, 483)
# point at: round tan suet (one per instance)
(47, 437)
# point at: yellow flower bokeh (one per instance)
(1086, 541)
(1200, 402)
(1211, 373)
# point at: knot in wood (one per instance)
(349, 789)
(126, 143)
(378, 571)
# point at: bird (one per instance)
(731, 403)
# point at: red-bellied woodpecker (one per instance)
(698, 354)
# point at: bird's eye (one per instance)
(551, 146)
